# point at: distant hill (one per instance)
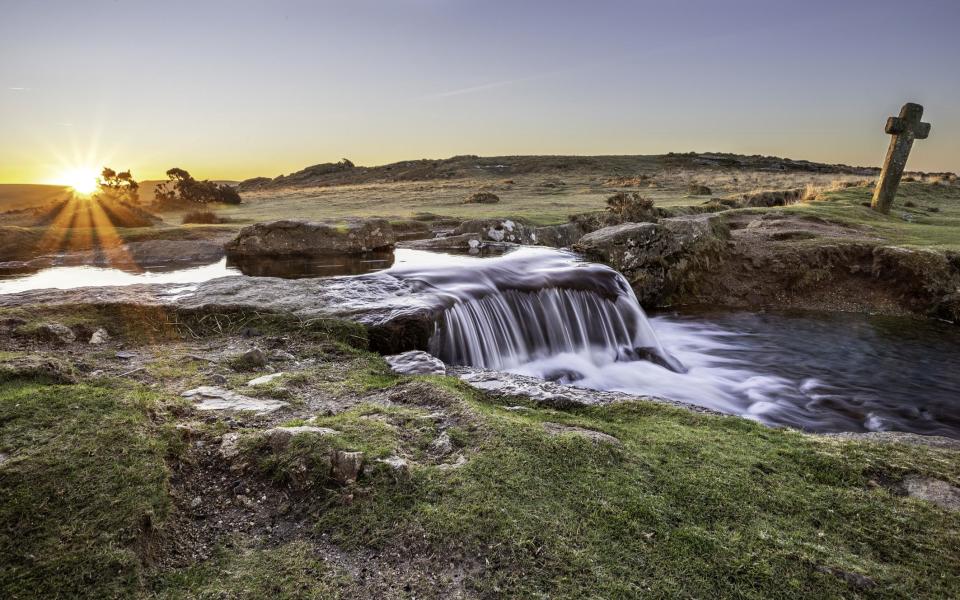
(17, 196)
(469, 166)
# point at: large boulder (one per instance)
(518, 231)
(304, 238)
(499, 230)
(661, 259)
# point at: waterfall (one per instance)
(534, 304)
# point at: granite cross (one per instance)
(904, 129)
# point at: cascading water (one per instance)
(533, 304)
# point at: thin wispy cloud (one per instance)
(18, 89)
(476, 88)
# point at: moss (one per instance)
(290, 571)
(83, 492)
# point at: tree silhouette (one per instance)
(182, 190)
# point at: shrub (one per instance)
(631, 207)
(203, 217)
(182, 190)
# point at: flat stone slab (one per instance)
(210, 397)
(938, 492)
(416, 362)
(590, 434)
(265, 379)
(552, 394)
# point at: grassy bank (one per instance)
(521, 503)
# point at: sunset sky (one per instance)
(234, 89)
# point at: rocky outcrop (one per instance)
(518, 231)
(304, 238)
(659, 259)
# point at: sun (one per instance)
(83, 180)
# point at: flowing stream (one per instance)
(546, 313)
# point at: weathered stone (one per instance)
(442, 446)
(100, 336)
(399, 466)
(416, 362)
(265, 379)
(482, 198)
(346, 466)
(905, 129)
(282, 356)
(252, 359)
(695, 189)
(592, 435)
(658, 258)
(938, 492)
(37, 368)
(499, 230)
(55, 332)
(303, 238)
(463, 242)
(215, 398)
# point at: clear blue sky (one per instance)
(237, 88)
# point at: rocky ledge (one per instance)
(304, 238)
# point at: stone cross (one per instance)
(904, 129)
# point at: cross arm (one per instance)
(921, 131)
(895, 125)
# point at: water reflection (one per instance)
(322, 266)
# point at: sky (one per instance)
(234, 89)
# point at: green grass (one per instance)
(689, 505)
(291, 571)
(82, 491)
(939, 230)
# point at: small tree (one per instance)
(183, 190)
(120, 185)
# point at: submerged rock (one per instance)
(416, 362)
(304, 238)
(208, 397)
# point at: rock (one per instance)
(398, 465)
(282, 356)
(659, 259)
(251, 359)
(938, 492)
(55, 332)
(345, 466)
(590, 434)
(4, 457)
(265, 379)
(463, 241)
(218, 379)
(36, 368)
(442, 446)
(303, 238)
(215, 398)
(695, 189)
(125, 355)
(499, 230)
(416, 362)
(100, 336)
(900, 437)
(548, 393)
(280, 437)
(196, 502)
(560, 236)
(230, 445)
(482, 198)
